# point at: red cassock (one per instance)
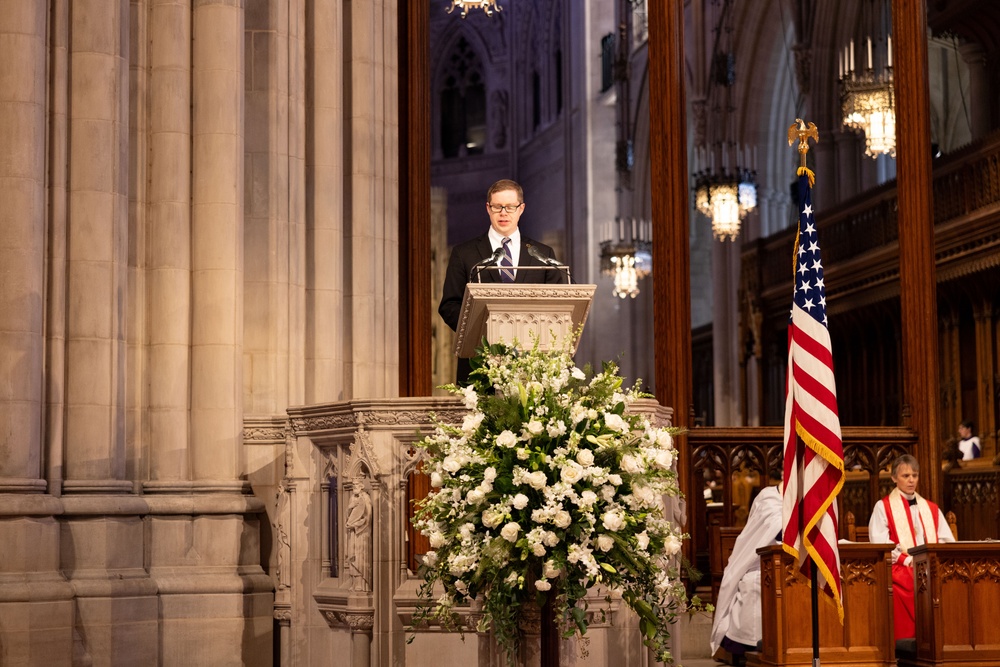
(902, 575)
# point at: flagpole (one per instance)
(815, 613)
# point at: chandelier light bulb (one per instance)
(488, 6)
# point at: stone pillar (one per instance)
(274, 269)
(22, 244)
(325, 362)
(168, 253)
(372, 197)
(101, 550)
(216, 243)
(849, 152)
(96, 243)
(725, 327)
(36, 609)
(979, 88)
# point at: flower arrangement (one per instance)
(549, 487)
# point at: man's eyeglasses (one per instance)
(510, 208)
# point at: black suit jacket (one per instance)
(466, 255)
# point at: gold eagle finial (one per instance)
(803, 132)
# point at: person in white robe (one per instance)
(737, 624)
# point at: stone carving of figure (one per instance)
(359, 539)
(283, 546)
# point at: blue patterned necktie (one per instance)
(507, 274)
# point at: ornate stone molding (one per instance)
(265, 430)
(357, 621)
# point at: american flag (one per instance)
(814, 452)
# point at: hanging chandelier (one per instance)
(626, 254)
(488, 6)
(725, 197)
(867, 95)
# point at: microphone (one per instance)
(477, 268)
(533, 251)
(548, 261)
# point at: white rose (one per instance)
(490, 474)
(664, 440)
(506, 439)
(430, 558)
(535, 427)
(550, 539)
(633, 464)
(643, 539)
(542, 585)
(509, 531)
(613, 520)
(587, 499)
(607, 492)
(663, 459)
(671, 545)
(615, 422)
(615, 479)
(549, 569)
(475, 497)
(604, 543)
(520, 501)
(465, 532)
(523, 453)
(437, 539)
(591, 414)
(536, 480)
(437, 480)
(585, 457)
(451, 464)
(562, 519)
(538, 549)
(571, 473)
(492, 518)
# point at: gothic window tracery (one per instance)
(463, 103)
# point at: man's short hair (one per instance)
(907, 460)
(967, 424)
(503, 185)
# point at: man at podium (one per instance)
(495, 257)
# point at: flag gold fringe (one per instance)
(808, 172)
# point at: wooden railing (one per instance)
(965, 183)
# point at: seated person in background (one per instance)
(737, 626)
(906, 519)
(968, 444)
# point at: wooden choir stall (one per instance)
(957, 605)
(864, 640)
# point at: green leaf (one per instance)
(580, 618)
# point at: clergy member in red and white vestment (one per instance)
(906, 519)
